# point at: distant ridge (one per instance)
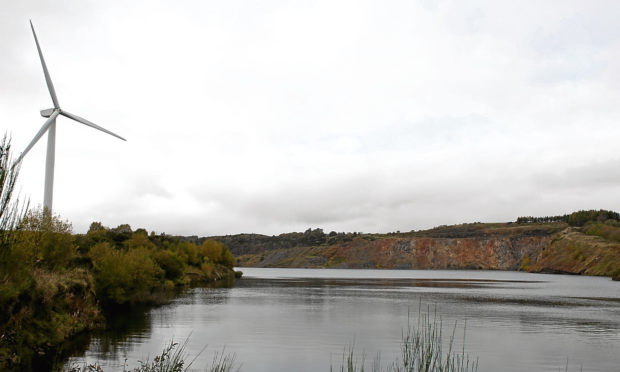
(582, 242)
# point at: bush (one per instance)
(216, 252)
(124, 276)
(607, 230)
(139, 240)
(188, 252)
(170, 263)
(45, 240)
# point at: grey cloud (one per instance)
(444, 130)
(573, 48)
(386, 117)
(147, 185)
(586, 30)
(592, 176)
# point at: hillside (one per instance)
(555, 247)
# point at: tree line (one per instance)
(241, 244)
(578, 218)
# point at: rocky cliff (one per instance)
(552, 247)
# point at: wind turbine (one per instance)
(50, 127)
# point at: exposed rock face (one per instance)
(489, 252)
(497, 253)
(550, 247)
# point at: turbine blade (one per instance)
(48, 79)
(90, 124)
(39, 134)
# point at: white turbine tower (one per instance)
(50, 127)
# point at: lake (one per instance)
(305, 319)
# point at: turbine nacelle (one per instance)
(47, 112)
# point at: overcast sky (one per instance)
(277, 116)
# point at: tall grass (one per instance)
(172, 359)
(422, 350)
(350, 362)
(223, 363)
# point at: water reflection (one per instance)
(283, 320)
(128, 330)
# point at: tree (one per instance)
(46, 240)
(11, 211)
(95, 227)
(15, 277)
(216, 252)
(121, 233)
(139, 239)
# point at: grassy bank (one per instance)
(592, 249)
(44, 310)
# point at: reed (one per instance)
(172, 359)
(224, 363)
(422, 350)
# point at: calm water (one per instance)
(303, 319)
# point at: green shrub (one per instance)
(124, 276)
(45, 240)
(170, 263)
(188, 252)
(607, 230)
(216, 252)
(139, 240)
(208, 269)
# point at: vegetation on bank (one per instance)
(134, 266)
(54, 283)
